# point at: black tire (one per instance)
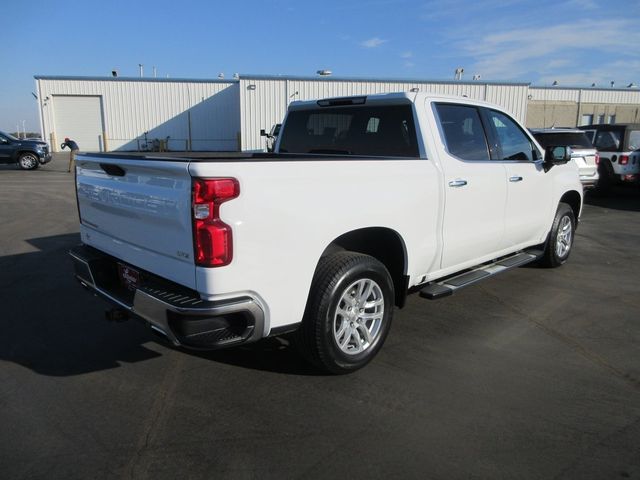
(28, 161)
(331, 289)
(606, 178)
(560, 242)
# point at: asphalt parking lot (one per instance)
(532, 374)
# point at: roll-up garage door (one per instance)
(80, 119)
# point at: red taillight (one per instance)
(623, 160)
(212, 238)
(597, 158)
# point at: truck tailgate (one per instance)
(138, 211)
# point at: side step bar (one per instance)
(444, 288)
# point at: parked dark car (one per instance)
(28, 154)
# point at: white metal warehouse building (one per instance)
(107, 113)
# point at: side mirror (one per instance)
(263, 132)
(556, 156)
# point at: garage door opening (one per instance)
(79, 117)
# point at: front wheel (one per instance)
(561, 237)
(28, 161)
(348, 313)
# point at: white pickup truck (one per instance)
(365, 200)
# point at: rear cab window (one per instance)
(368, 130)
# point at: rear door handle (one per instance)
(515, 178)
(457, 183)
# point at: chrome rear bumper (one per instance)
(170, 309)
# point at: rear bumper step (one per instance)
(446, 287)
(174, 311)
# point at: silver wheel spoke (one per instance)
(373, 303)
(357, 347)
(343, 328)
(363, 331)
(366, 293)
(345, 341)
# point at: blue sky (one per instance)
(576, 42)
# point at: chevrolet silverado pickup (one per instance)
(364, 200)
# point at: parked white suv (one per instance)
(583, 153)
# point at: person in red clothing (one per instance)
(73, 146)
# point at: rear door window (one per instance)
(463, 131)
(387, 130)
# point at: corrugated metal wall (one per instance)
(586, 95)
(512, 98)
(264, 101)
(554, 94)
(229, 114)
(206, 112)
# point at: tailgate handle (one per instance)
(113, 170)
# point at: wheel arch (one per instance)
(384, 244)
(19, 153)
(574, 200)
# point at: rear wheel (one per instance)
(28, 161)
(561, 237)
(348, 313)
(606, 177)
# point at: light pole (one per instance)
(24, 132)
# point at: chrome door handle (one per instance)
(515, 179)
(457, 183)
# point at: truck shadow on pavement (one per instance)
(624, 197)
(53, 327)
(274, 354)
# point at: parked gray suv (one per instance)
(583, 152)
